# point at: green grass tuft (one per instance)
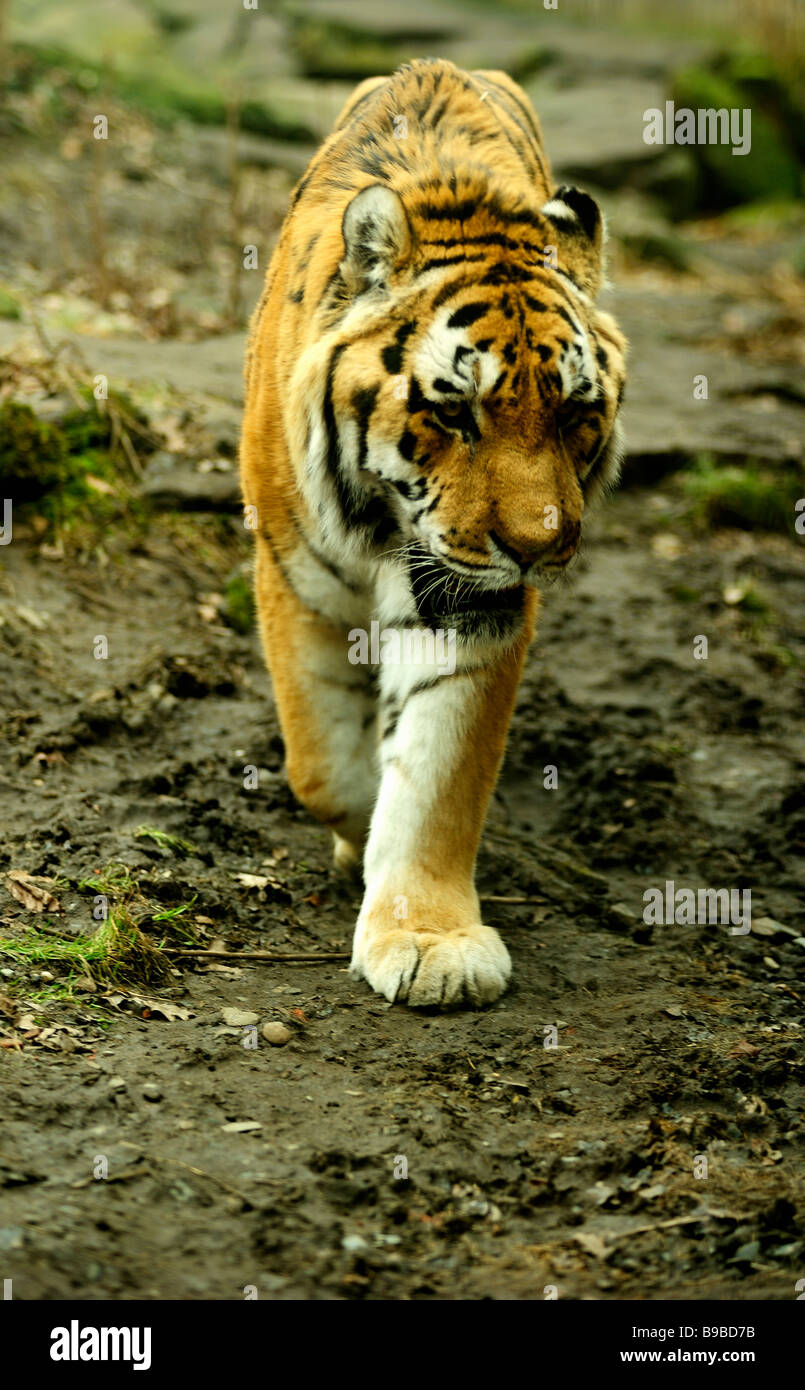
(745, 497)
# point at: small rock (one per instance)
(746, 1253)
(354, 1243)
(85, 985)
(241, 1126)
(46, 975)
(239, 1017)
(7, 973)
(767, 926)
(151, 1091)
(117, 1083)
(276, 1033)
(620, 917)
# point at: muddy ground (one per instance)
(653, 1149)
(570, 1166)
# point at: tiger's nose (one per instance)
(556, 549)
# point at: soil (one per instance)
(627, 1121)
(395, 1154)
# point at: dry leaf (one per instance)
(148, 1008)
(28, 890)
(253, 880)
(593, 1244)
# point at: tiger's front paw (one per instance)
(426, 967)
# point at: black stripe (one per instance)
(440, 262)
(366, 512)
(450, 290)
(363, 403)
(392, 355)
(469, 313)
(447, 212)
(500, 239)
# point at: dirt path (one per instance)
(527, 1166)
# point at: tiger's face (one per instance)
(479, 401)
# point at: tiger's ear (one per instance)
(377, 237)
(579, 227)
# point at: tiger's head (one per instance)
(473, 390)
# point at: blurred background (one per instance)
(108, 246)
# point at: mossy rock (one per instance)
(327, 49)
(658, 248)
(770, 168)
(33, 455)
(675, 179)
(777, 94)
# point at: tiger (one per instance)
(432, 399)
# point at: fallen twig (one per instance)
(232, 957)
(495, 898)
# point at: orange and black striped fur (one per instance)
(432, 399)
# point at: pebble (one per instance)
(151, 1091)
(239, 1018)
(746, 1253)
(768, 926)
(354, 1243)
(276, 1033)
(117, 1083)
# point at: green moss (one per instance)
(92, 425)
(684, 594)
(743, 497)
(772, 214)
(770, 168)
(753, 602)
(157, 88)
(778, 94)
(33, 454)
(10, 307)
(325, 48)
(658, 248)
(68, 474)
(239, 604)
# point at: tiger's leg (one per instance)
(419, 934)
(326, 710)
